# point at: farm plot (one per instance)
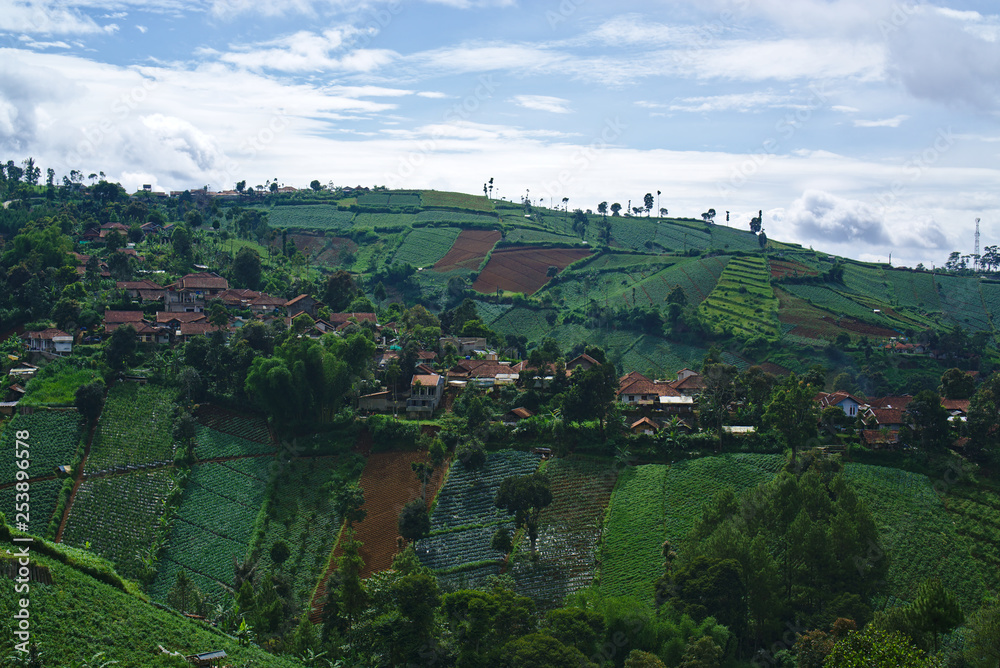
(799, 318)
(524, 269)
(455, 217)
(991, 300)
(569, 531)
(136, 428)
(790, 269)
(659, 357)
(43, 497)
(917, 532)
(840, 304)
(56, 384)
(743, 300)
(915, 289)
(424, 246)
(868, 280)
(612, 261)
(435, 198)
(976, 514)
(381, 221)
(697, 278)
(302, 517)
(633, 533)
(528, 235)
(680, 237)
(54, 438)
(465, 516)
(118, 517)
(962, 303)
(469, 250)
(730, 238)
(310, 217)
(215, 521)
(248, 427)
(488, 312)
(339, 249)
(654, 502)
(524, 321)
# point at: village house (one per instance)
(426, 391)
(190, 292)
(515, 415)
(849, 404)
(303, 304)
(50, 340)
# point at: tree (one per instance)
(246, 269)
(181, 240)
(663, 212)
(279, 553)
(927, 419)
(717, 395)
(792, 412)
(602, 209)
(315, 185)
(872, 648)
(501, 541)
(89, 400)
(194, 219)
(956, 384)
(339, 291)
(120, 346)
(591, 395)
(982, 642)
(537, 650)
(639, 659)
(934, 611)
(647, 201)
(348, 501)
(702, 653)
(414, 522)
(762, 240)
(615, 208)
(525, 497)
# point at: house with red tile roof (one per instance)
(49, 341)
(426, 391)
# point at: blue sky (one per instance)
(861, 127)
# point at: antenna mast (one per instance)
(976, 252)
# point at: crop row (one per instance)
(918, 534)
(468, 495)
(53, 439)
(42, 497)
(119, 517)
(311, 217)
(136, 427)
(301, 515)
(424, 246)
(211, 443)
(251, 428)
(569, 532)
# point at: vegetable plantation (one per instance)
(54, 440)
(743, 300)
(136, 427)
(118, 517)
(424, 246)
(215, 520)
(311, 217)
(465, 517)
(249, 427)
(569, 531)
(43, 495)
(920, 537)
(210, 443)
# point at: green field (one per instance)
(43, 497)
(136, 427)
(310, 217)
(54, 439)
(423, 246)
(213, 525)
(435, 198)
(656, 502)
(118, 517)
(742, 301)
(56, 385)
(383, 221)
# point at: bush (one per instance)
(388, 433)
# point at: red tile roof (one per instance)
(118, 317)
(165, 317)
(45, 334)
(425, 379)
(202, 281)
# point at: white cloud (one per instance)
(823, 217)
(742, 102)
(432, 94)
(41, 18)
(553, 105)
(843, 108)
(893, 122)
(307, 51)
(142, 29)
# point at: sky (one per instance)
(859, 127)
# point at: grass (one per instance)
(56, 384)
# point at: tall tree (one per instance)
(647, 202)
(414, 522)
(615, 208)
(927, 420)
(246, 269)
(793, 413)
(525, 496)
(956, 384)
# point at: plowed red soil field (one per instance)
(389, 483)
(469, 249)
(783, 268)
(524, 268)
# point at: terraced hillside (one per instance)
(742, 301)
